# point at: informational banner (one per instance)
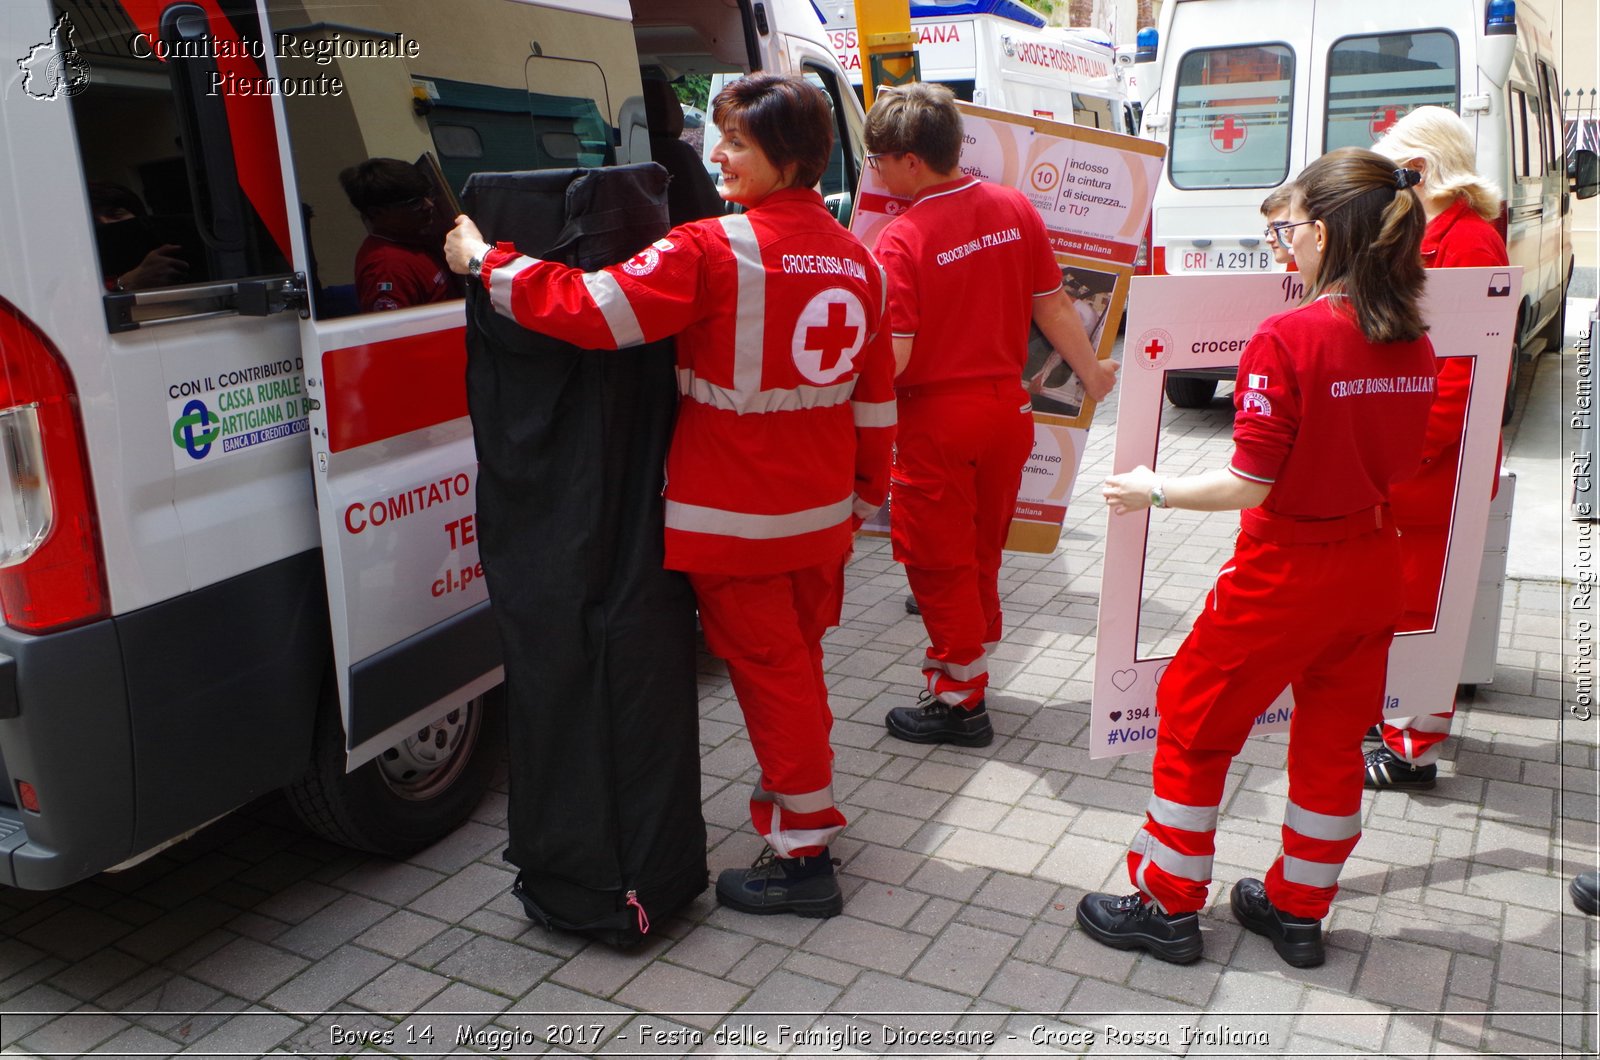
(1187, 322)
(1093, 190)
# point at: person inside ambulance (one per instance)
(960, 318)
(1461, 207)
(781, 446)
(1332, 408)
(133, 254)
(399, 264)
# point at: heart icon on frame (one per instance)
(1116, 715)
(1124, 679)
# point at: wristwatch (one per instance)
(1158, 494)
(475, 263)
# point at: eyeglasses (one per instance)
(872, 160)
(410, 204)
(1278, 231)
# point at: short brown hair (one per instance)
(919, 119)
(789, 118)
(380, 182)
(1278, 200)
(1374, 250)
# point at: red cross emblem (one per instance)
(1230, 135)
(1156, 346)
(828, 334)
(1154, 350)
(1383, 120)
(833, 338)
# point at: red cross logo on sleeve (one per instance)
(1230, 135)
(828, 334)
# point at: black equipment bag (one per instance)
(599, 639)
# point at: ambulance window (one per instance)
(1517, 105)
(1372, 81)
(433, 93)
(174, 181)
(1552, 116)
(1093, 112)
(1231, 118)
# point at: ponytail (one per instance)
(1373, 255)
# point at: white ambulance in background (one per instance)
(1246, 92)
(1000, 54)
(238, 550)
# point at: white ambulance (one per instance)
(237, 541)
(1000, 54)
(1246, 92)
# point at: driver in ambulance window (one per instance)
(400, 263)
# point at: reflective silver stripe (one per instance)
(873, 413)
(960, 671)
(752, 527)
(806, 802)
(862, 508)
(778, 400)
(1178, 815)
(1194, 867)
(1311, 873)
(1323, 826)
(500, 283)
(613, 305)
(749, 328)
(785, 841)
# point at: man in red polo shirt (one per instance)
(969, 267)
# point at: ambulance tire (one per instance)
(1189, 393)
(396, 811)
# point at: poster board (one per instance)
(1093, 189)
(1186, 322)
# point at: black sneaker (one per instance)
(1388, 771)
(911, 605)
(1298, 939)
(1585, 891)
(1131, 923)
(936, 721)
(802, 886)
(1374, 735)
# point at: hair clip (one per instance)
(1406, 178)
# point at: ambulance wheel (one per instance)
(412, 795)
(1189, 393)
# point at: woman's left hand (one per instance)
(1129, 491)
(463, 243)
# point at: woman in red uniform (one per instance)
(1332, 401)
(1460, 206)
(781, 446)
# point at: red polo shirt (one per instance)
(1327, 417)
(965, 262)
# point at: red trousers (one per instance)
(769, 629)
(1417, 739)
(1315, 617)
(959, 453)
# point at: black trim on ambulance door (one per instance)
(389, 687)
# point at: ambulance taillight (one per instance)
(52, 575)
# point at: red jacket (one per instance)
(785, 368)
(1456, 239)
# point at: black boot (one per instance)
(802, 886)
(1131, 923)
(1298, 939)
(1387, 771)
(935, 721)
(1585, 891)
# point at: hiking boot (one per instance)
(1388, 771)
(1585, 891)
(1298, 939)
(802, 886)
(1131, 923)
(935, 721)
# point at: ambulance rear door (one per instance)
(450, 90)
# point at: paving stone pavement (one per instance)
(1452, 935)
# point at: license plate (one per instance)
(1212, 259)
